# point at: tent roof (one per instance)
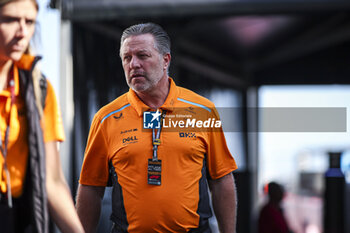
(245, 42)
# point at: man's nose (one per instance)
(134, 63)
(22, 30)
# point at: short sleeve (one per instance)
(95, 166)
(52, 122)
(219, 159)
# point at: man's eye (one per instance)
(30, 22)
(8, 19)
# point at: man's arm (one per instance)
(89, 200)
(224, 200)
(60, 201)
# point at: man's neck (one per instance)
(156, 97)
(5, 67)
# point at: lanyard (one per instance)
(4, 145)
(156, 138)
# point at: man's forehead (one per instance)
(140, 42)
(126, 49)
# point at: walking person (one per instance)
(159, 177)
(32, 184)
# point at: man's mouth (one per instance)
(137, 75)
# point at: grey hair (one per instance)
(162, 40)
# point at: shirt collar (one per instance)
(168, 105)
(16, 79)
(26, 62)
(6, 92)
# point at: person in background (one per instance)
(32, 184)
(271, 217)
(159, 177)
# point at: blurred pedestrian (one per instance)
(32, 183)
(271, 217)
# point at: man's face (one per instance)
(143, 66)
(17, 25)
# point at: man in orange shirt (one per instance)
(145, 145)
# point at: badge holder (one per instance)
(154, 172)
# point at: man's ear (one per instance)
(167, 58)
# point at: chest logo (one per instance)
(187, 135)
(131, 139)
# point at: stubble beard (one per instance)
(147, 85)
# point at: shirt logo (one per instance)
(118, 117)
(128, 131)
(190, 109)
(151, 120)
(187, 135)
(131, 139)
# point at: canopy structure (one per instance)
(117, 9)
(261, 41)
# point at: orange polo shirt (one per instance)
(17, 157)
(117, 136)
